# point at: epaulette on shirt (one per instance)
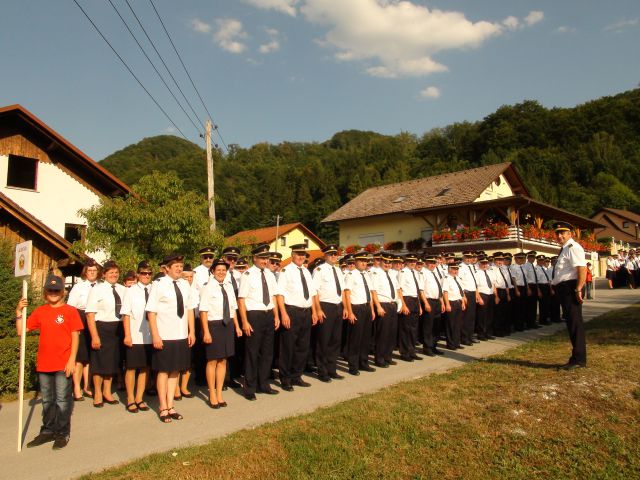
(282, 271)
(570, 245)
(247, 272)
(374, 272)
(350, 273)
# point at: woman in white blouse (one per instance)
(219, 323)
(103, 319)
(78, 298)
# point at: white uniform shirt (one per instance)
(251, 289)
(102, 302)
(483, 283)
(612, 263)
(79, 294)
(232, 274)
(467, 276)
(571, 256)
(163, 301)
(453, 286)
(324, 281)
(410, 282)
(355, 283)
(543, 277)
(291, 288)
(530, 272)
(518, 274)
(502, 277)
(386, 292)
(443, 270)
(134, 305)
(212, 300)
(431, 283)
(201, 276)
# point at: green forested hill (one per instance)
(578, 158)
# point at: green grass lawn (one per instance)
(512, 416)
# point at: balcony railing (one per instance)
(514, 234)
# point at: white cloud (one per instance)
(534, 17)
(619, 26)
(273, 45)
(565, 29)
(398, 38)
(200, 26)
(284, 6)
(430, 92)
(229, 35)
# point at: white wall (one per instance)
(57, 199)
(495, 191)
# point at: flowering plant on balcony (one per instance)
(531, 231)
(372, 247)
(414, 245)
(496, 230)
(397, 245)
(352, 248)
(442, 235)
(468, 233)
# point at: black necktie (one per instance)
(534, 272)
(179, 300)
(473, 276)
(226, 316)
(524, 277)
(438, 283)
(234, 284)
(439, 274)
(545, 274)
(335, 277)
(93, 285)
(488, 280)
(305, 288)
(366, 287)
(265, 289)
(118, 301)
(413, 272)
(459, 287)
(393, 291)
(553, 272)
(506, 284)
(146, 295)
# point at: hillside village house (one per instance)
(486, 208)
(44, 181)
(280, 238)
(621, 228)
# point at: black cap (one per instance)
(483, 259)
(231, 252)
(520, 255)
(130, 275)
(275, 256)
(172, 258)
(454, 265)
(207, 250)
(532, 253)
(143, 264)
(562, 227)
(261, 251)
(330, 249)
(299, 248)
(349, 258)
(109, 264)
(242, 262)
(410, 257)
(219, 261)
(54, 282)
(361, 255)
(187, 268)
(387, 256)
(431, 259)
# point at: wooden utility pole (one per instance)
(210, 198)
(277, 230)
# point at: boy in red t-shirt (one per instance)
(59, 325)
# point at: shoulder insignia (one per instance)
(570, 245)
(247, 272)
(350, 273)
(374, 272)
(283, 270)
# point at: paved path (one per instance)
(110, 436)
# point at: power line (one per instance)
(154, 67)
(129, 69)
(163, 62)
(215, 126)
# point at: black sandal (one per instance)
(175, 415)
(132, 404)
(165, 418)
(142, 406)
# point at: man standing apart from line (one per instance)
(568, 279)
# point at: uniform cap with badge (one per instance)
(330, 249)
(219, 261)
(171, 259)
(231, 252)
(562, 227)
(54, 283)
(261, 251)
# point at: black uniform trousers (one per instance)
(198, 355)
(469, 317)
(408, 327)
(573, 313)
(484, 316)
(511, 309)
(359, 337)
(258, 350)
(328, 339)
(294, 344)
(544, 304)
(453, 325)
(385, 332)
(554, 306)
(531, 307)
(430, 331)
(501, 326)
(518, 308)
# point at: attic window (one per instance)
(401, 198)
(443, 191)
(22, 172)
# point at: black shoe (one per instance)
(354, 372)
(233, 384)
(41, 439)
(406, 358)
(429, 353)
(250, 396)
(572, 366)
(60, 442)
(382, 365)
(416, 357)
(392, 362)
(286, 387)
(268, 391)
(336, 376)
(459, 347)
(324, 378)
(438, 352)
(298, 382)
(490, 337)
(310, 369)
(367, 368)
(468, 344)
(450, 347)
(475, 340)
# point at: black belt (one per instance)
(388, 303)
(499, 288)
(433, 299)
(302, 309)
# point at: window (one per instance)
(426, 234)
(401, 198)
(22, 172)
(625, 224)
(73, 232)
(371, 238)
(443, 192)
(283, 241)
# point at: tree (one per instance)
(159, 218)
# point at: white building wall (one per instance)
(57, 199)
(498, 189)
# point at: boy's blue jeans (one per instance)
(57, 403)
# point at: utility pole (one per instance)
(277, 230)
(210, 198)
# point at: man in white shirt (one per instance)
(467, 277)
(201, 272)
(385, 295)
(502, 309)
(519, 279)
(568, 278)
(433, 307)
(411, 286)
(544, 288)
(487, 292)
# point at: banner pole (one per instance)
(23, 343)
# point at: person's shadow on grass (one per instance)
(523, 363)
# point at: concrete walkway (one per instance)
(110, 436)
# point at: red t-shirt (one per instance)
(55, 325)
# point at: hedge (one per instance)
(10, 364)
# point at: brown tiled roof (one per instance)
(430, 192)
(268, 235)
(634, 217)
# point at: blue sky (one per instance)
(301, 70)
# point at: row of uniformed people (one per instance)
(623, 269)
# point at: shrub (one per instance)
(372, 247)
(10, 289)
(10, 364)
(415, 245)
(397, 245)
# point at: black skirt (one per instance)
(138, 356)
(84, 344)
(175, 356)
(223, 345)
(611, 275)
(106, 361)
